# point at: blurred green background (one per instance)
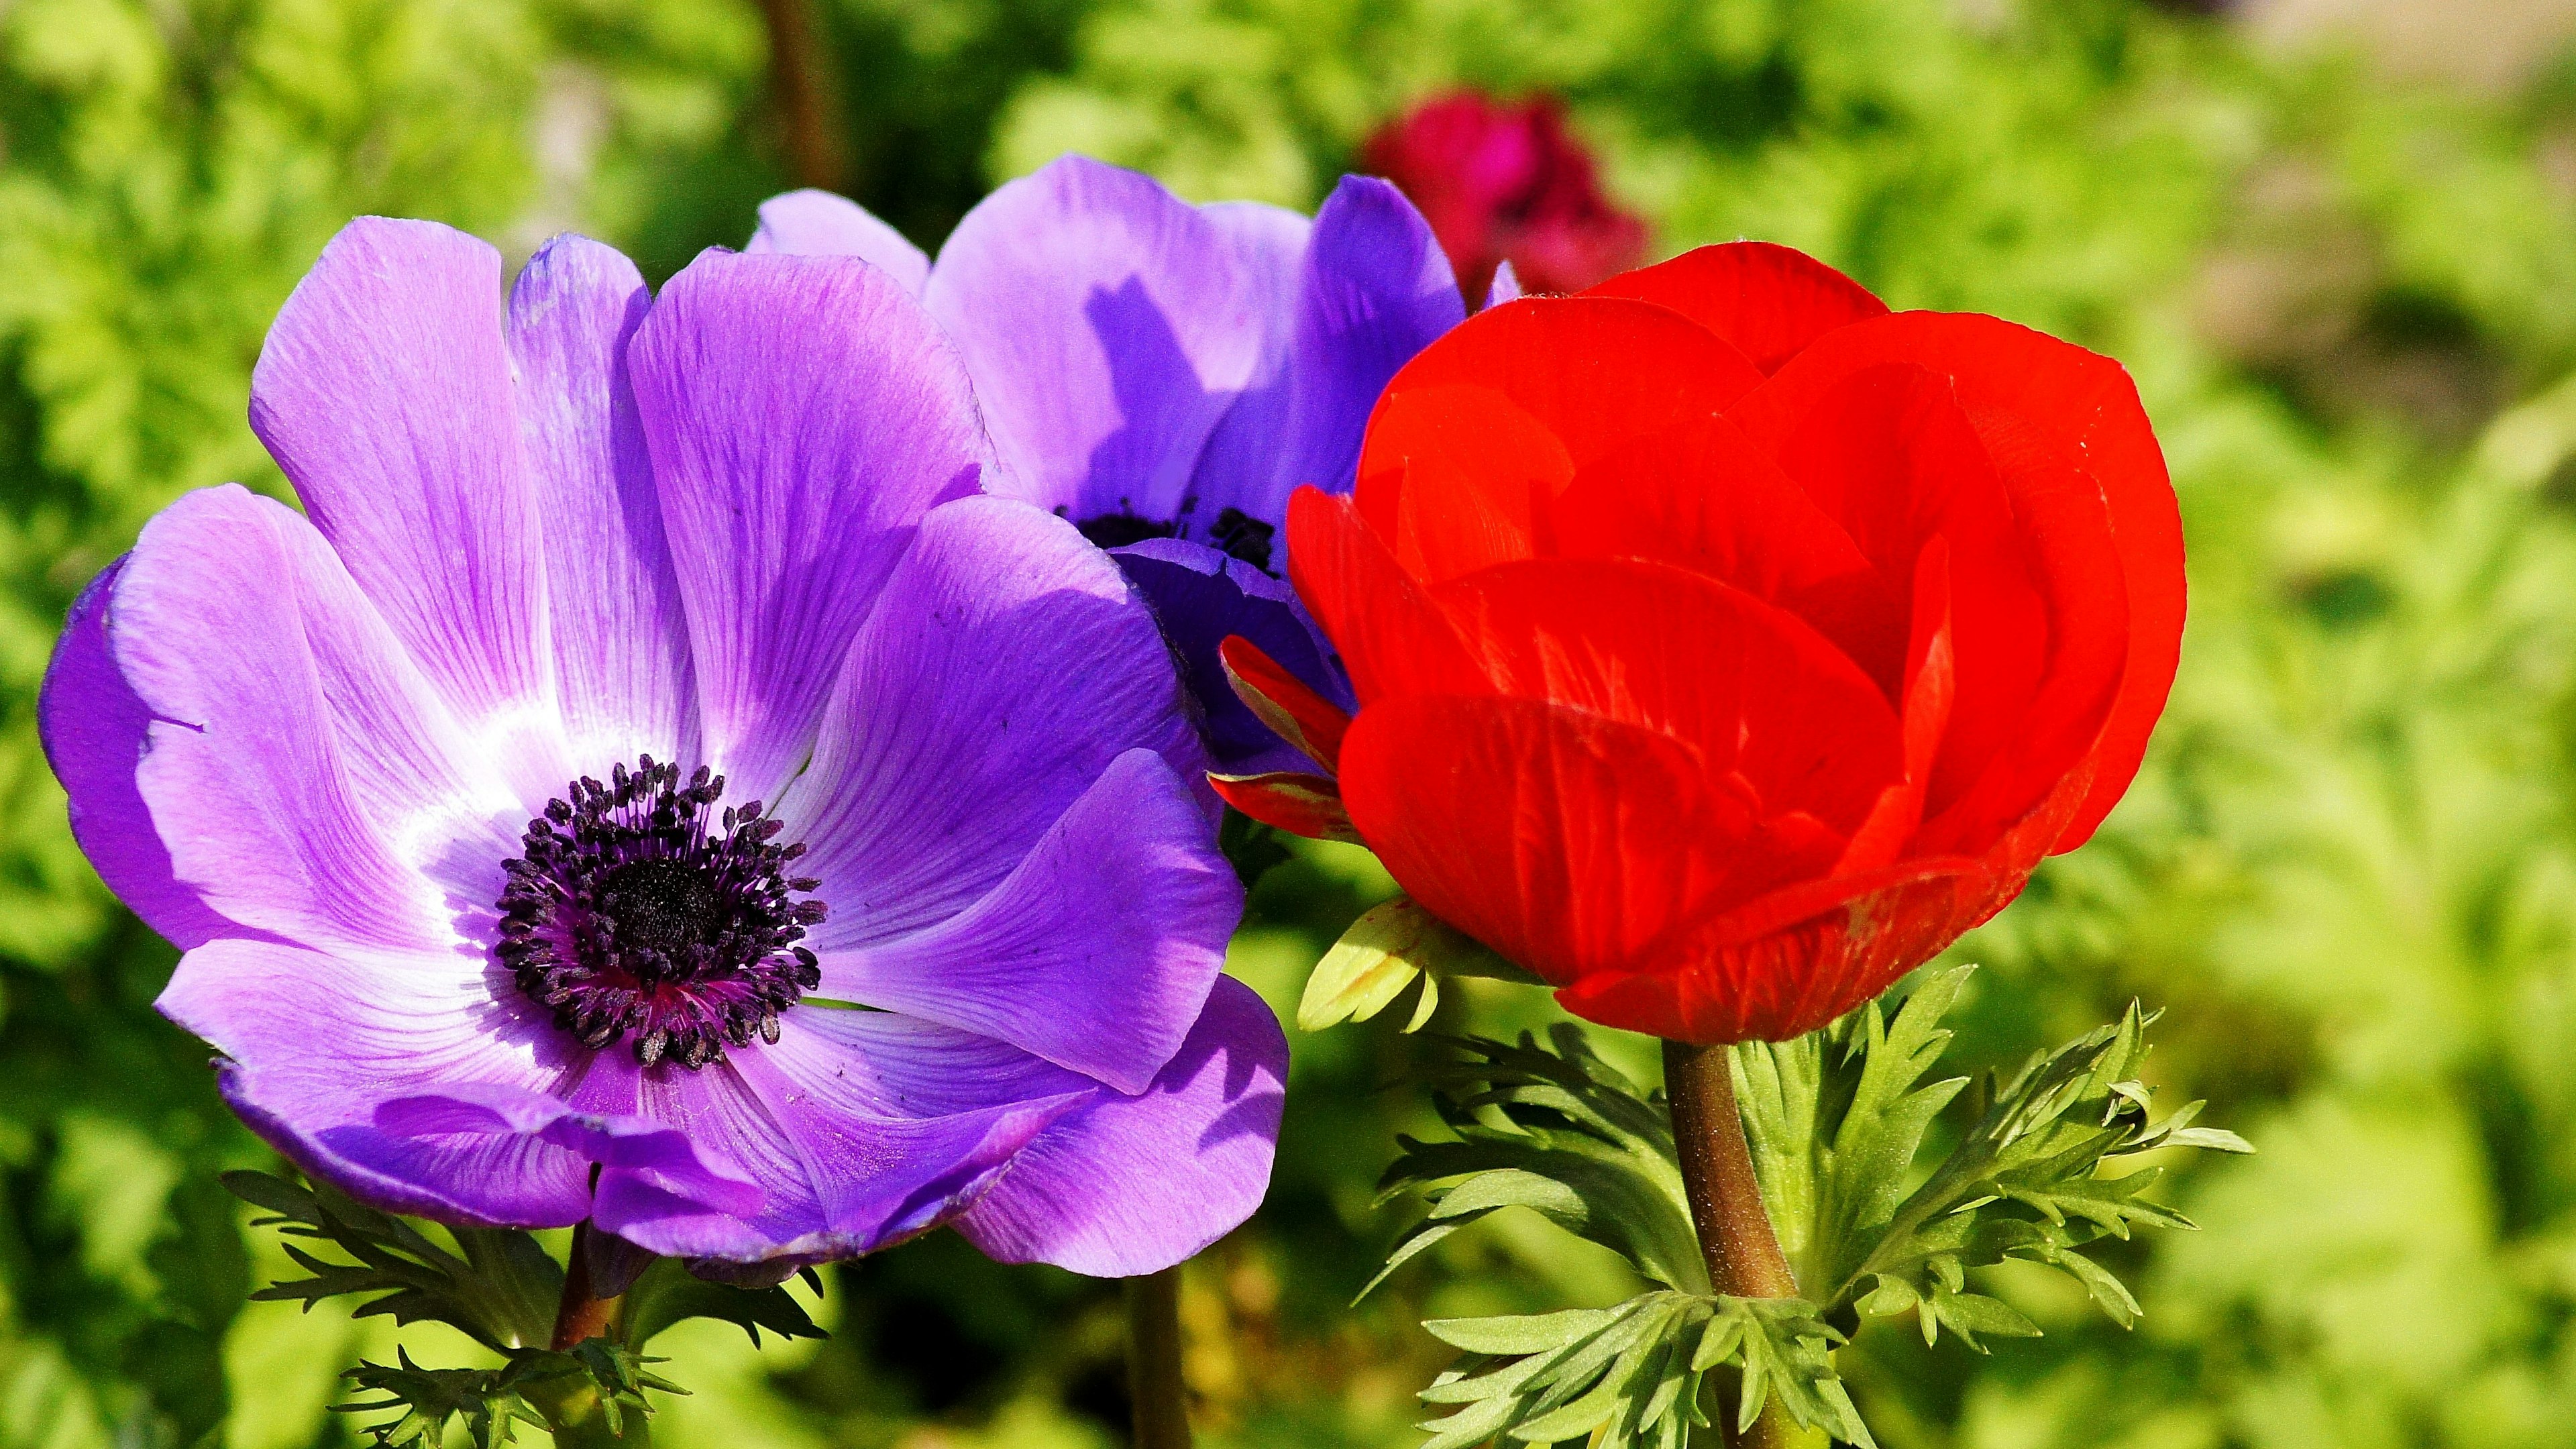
(2335, 240)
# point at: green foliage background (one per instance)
(2349, 871)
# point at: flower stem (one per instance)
(1735, 1233)
(581, 1314)
(1154, 1361)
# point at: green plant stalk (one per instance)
(1154, 1361)
(1736, 1237)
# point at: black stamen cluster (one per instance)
(1243, 536)
(1235, 532)
(639, 909)
(1117, 530)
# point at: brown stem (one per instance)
(581, 1314)
(1154, 1361)
(801, 85)
(1735, 1233)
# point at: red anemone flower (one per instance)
(1725, 644)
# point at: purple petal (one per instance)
(384, 392)
(1234, 468)
(638, 1159)
(1095, 954)
(1374, 290)
(1378, 290)
(817, 223)
(836, 1181)
(1269, 245)
(1133, 1185)
(882, 1177)
(302, 774)
(318, 1041)
(94, 727)
(621, 663)
(1506, 286)
(1107, 328)
(1006, 666)
(803, 414)
(1201, 597)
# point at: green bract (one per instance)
(1836, 1121)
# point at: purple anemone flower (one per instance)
(1165, 375)
(651, 783)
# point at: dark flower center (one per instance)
(1117, 530)
(1235, 532)
(640, 910)
(1243, 536)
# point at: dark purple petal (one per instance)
(318, 1041)
(803, 414)
(94, 727)
(1378, 290)
(621, 661)
(836, 1179)
(819, 224)
(881, 1179)
(1006, 665)
(303, 775)
(1095, 954)
(1201, 597)
(639, 1160)
(384, 392)
(1374, 289)
(1132, 1185)
(1107, 326)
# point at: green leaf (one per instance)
(599, 1376)
(426, 1401)
(1836, 1117)
(1634, 1373)
(667, 1293)
(1560, 1132)
(1516, 1335)
(1383, 952)
(1970, 1314)
(1835, 1121)
(1785, 1348)
(501, 1291)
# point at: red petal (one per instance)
(1931, 687)
(1770, 301)
(1307, 805)
(1590, 372)
(1889, 454)
(1568, 842)
(1457, 432)
(2084, 405)
(2078, 568)
(1789, 981)
(1392, 639)
(1701, 496)
(1293, 711)
(1752, 688)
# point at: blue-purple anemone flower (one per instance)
(1165, 375)
(652, 783)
